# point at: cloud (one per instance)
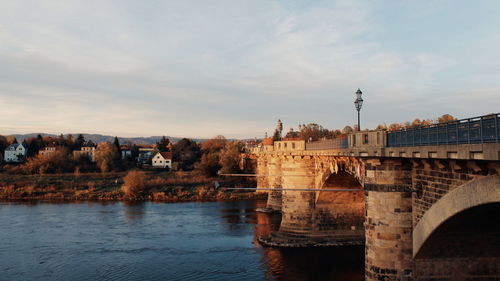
(191, 68)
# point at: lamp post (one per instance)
(358, 103)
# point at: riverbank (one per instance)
(160, 186)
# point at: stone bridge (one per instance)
(426, 212)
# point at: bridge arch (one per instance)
(479, 192)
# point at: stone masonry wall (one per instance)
(434, 179)
(388, 226)
(298, 206)
(262, 173)
(274, 178)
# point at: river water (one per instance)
(157, 241)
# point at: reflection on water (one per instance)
(134, 210)
(156, 241)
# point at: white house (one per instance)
(85, 150)
(48, 150)
(15, 153)
(162, 160)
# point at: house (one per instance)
(49, 149)
(15, 153)
(126, 152)
(267, 144)
(162, 160)
(85, 151)
(145, 154)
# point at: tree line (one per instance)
(314, 132)
(208, 157)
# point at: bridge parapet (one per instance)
(484, 151)
(483, 129)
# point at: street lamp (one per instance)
(358, 103)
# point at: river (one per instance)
(157, 241)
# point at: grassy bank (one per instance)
(159, 186)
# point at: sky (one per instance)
(233, 67)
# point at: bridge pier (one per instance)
(388, 225)
(262, 172)
(298, 172)
(311, 217)
(274, 179)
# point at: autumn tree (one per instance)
(187, 152)
(215, 144)
(60, 161)
(292, 134)
(314, 132)
(116, 142)
(209, 164)
(210, 159)
(163, 144)
(395, 126)
(106, 156)
(446, 118)
(230, 156)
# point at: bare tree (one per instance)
(106, 156)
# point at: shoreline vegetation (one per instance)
(135, 185)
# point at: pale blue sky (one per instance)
(202, 68)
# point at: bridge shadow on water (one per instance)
(305, 263)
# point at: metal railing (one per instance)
(337, 143)
(483, 129)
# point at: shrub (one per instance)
(58, 162)
(134, 183)
(106, 156)
(209, 164)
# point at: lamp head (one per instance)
(358, 94)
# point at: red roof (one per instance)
(145, 146)
(166, 155)
(267, 141)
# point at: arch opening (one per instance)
(474, 232)
(474, 193)
(464, 247)
(341, 213)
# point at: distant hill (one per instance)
(97, 138)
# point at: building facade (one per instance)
(162, 160)
(85, 151)
(48, 150)
(15, 153)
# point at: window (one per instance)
(365, 138)
(293, 145)
(285, 144)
